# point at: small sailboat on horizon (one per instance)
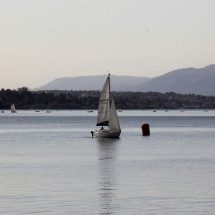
(13, 108)
(107, 115)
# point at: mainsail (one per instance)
(113, 118)
(104, 105)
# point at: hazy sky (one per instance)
(41, 40)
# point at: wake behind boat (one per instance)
(107, 115)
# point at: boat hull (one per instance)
(106, 133)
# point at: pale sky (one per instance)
(41, 40)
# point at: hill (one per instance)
(186, 81)
(119, 83)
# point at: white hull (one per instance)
(105, 133)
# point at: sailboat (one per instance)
(13, 109)
(107, 115)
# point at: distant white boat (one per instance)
(107, 115)
(13, 108)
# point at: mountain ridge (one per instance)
(185, 81)
(95, 82)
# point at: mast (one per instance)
(109, 86)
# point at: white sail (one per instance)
(13, 109)
(113, 118)
(104, 104)
(107, 115)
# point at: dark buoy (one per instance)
(145, 129)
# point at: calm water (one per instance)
(50, 165)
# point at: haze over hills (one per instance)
(118, 83)
(185, 81)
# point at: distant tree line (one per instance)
(25, 99)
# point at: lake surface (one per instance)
(50, 165)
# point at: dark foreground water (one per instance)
(50, 165)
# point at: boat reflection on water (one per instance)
(107, 153)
